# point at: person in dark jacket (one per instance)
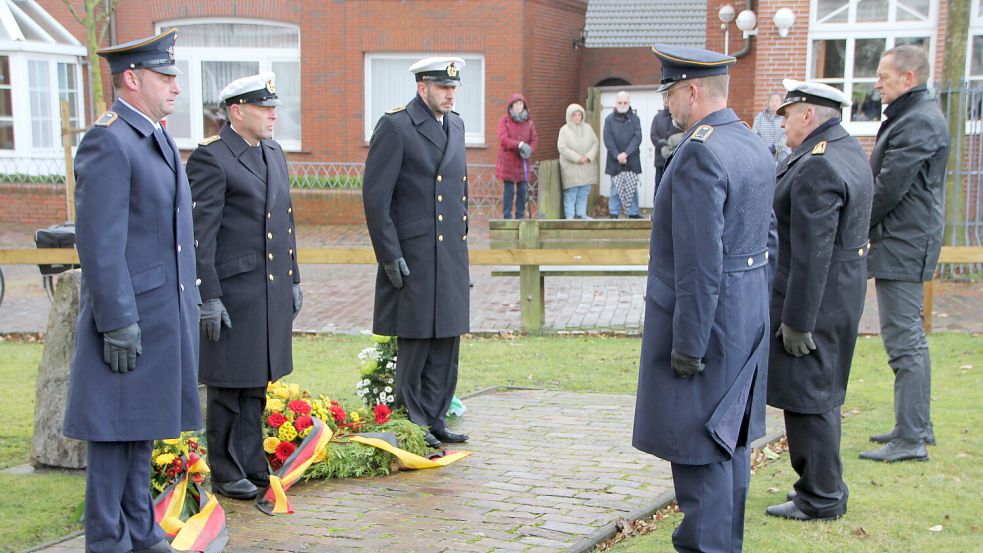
(517, 142)
(136, 348)
(250, 281)
(822, 204)
(416, 207)
(702, 372)
(622, 138)
(662, 132)
(906, 222)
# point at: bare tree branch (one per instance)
(73, 12)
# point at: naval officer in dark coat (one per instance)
(250, 282)
(822, 203)
(701, 382)
(416, 206)
(134, 369)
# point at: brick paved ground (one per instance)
(338, 298)
(548, 469)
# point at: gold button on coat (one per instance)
(750, 261)
(269, 236)
(440, 217)
(464, 198)
(290, 272)
(290, 251)
(860, 252)
(268, 215)
(290, 231)
(290, 210)
(271, 277)
(465, 237)
(440, 237)
(465, 218)
(440, 198)
(440, 178)
(270, 255)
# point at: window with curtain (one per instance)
(389, 83)
(847, 38)
(40, 93)
(68, 91)
(6, 106)
(213, 53)
(974, 58)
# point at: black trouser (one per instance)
(119, 512)
(234, 427)
(426, 376)
(814, 450)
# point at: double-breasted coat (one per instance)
(135, 240)
(822, 204)
(246, 256)
(707, 295)
(415, 196)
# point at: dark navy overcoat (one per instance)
(707, 295)
(247, 257)
(415, 195)
(135, 241)
(822, 203)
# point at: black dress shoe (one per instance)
(259, 480)
(897, 450)
(238, 489)
(790, 511)
(160, 547)
(431, 440)
(449, 437)
(888, 436)
(634, 216)
(791, 495)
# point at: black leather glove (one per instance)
(525, 151)
(120, 348)
(298, 299)
(685, 366)
(796, 343)
(213, 316)
(395, 271)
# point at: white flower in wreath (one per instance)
(388, 389)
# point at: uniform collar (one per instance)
(136, 118)
(719, 117)
(829, 131)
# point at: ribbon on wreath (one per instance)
(273, 500)
(200, 528)
(386, 441)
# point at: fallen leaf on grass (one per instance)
(966, 367)
(860, 532)
(974, 528)
(962, 455)
(769, 453)
(936, 528)
(774, 490)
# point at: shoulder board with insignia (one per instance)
(107, 119)
(819, 149)
(396, 109)
(455, 113)
(702, 133)
(209, 140)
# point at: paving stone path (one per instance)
(548, 469)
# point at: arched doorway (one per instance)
(613, 81)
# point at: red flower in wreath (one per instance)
(300, 407)
(285, 450)
(338, 413)
(303, 422)
(381, 413)
(276, 420)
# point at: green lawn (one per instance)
(892, 506)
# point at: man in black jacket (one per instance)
(906, 224)
(822, 204)
(665, 137)
(623, 137)
(250, 283)
(415, 195)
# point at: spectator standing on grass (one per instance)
(578, 145)
(517, 141)
(622, 138)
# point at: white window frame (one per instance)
(20, 97)
(194, 56)
(472, 136)
(851, 31)
(975, 29)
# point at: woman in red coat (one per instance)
(517, 141)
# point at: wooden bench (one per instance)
(629, 237)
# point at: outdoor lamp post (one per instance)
(784, 19)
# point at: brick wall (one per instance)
(33, 204)
(320, 207)
(638, 66)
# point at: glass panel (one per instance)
(6, 106)
(976, 59)
(4, 70)
(872, 10)
(214, 76)
(288, 91)
(916, 40)
(866, 103)
(179, 122)
(829, 59)
(237, 35)
(825, 11)
(68, 92)
(40, 94)
(866, 55)
(6, 135)
(913, 10)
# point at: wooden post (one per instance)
(550, 190)
(533, 307)
(67, 132)
(928, 289)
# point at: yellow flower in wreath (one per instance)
(354, 416)
(282, 392)
(306, 431)
(270, 444)
(287, 433)
(172, 441)
(274, 405)
(164, 459)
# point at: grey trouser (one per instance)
(814, 450)
(426, 377)
(900, 306)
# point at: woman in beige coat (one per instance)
(578, 145)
